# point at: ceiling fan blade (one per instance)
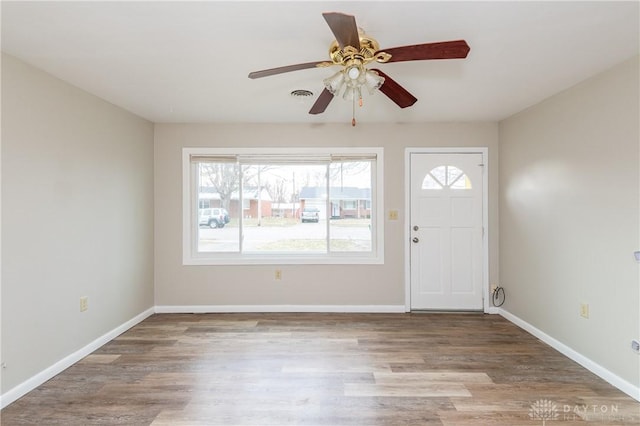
(457, 49)
(321, 104)
(287, 68)
(344, 28)
(395, 92)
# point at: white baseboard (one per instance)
(630, 389)
(46, 374)
(201, 309)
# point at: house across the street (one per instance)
(346, 201)
(208, 198)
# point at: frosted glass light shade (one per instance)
(334, 83)
(373, 81)
(352, 79)
(353, 73)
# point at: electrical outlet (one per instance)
(584, 310)
(393, 214)
(278, 274)
(84, 303)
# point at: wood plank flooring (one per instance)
(324, 369)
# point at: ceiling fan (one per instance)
(353, 50)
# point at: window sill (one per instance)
(279, 259)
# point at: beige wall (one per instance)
(79, 183)
(569, 217)
(301, 284)
(77, 219)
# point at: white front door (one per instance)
(446, 231)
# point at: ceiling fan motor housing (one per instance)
(350, 54)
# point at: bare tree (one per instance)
(223, 178)
(253, 174)
(315, 178)
(341, 170)
(278, 190)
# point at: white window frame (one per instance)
(191, 256)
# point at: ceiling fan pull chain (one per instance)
(353, 113)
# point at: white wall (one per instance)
(569, 217)
(301, 284)
(77, 219)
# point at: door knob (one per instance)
(415, 239)
(415, 228)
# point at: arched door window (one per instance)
(446, 177)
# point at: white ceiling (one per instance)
(188, 61)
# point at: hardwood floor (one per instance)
(324, 369)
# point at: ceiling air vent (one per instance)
(301, 93)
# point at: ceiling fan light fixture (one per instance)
(373, 81)
(353, 72)
(334, 83)
(352, 93)
(352, 79)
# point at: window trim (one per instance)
(190, 255)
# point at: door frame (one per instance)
(484, 151)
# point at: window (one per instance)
(282, 206)
(446, 177)
(350, 204)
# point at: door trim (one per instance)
(485, 217)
